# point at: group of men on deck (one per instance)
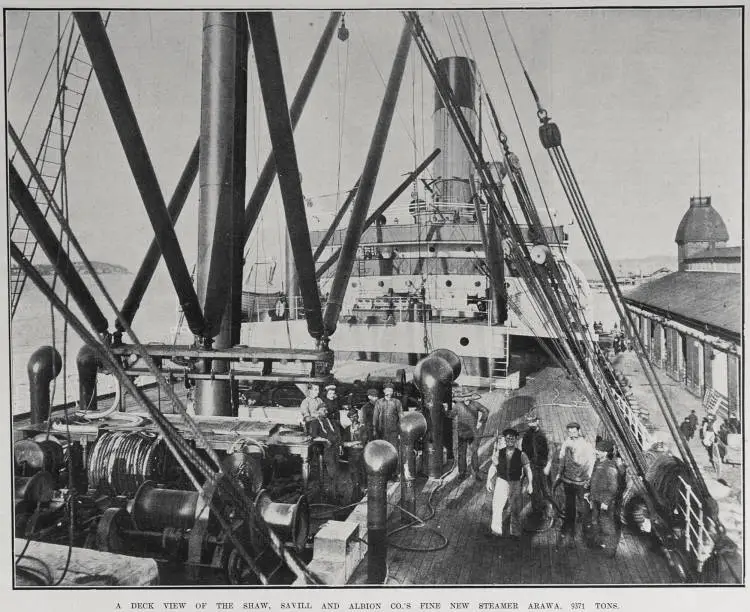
(321, 418)
(592, 477)
(592, 480)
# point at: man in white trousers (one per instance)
(509, 463)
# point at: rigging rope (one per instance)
(18, 53)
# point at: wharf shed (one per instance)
(690, 321)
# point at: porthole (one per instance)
(464, 341)
(431, 249)
(477, 284)
(381, 284)
(449, 283)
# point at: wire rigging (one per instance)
(18, 53)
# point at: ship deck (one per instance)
(463, 510)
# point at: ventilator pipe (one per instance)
(44, 365)
(88, 363)
(433, 376)
(381, 460)
(454, 361)
(290, 521)
(413, 426)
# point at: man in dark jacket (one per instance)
(601, 495)
(534, 444)
(470, 417)
(333, 406)
(368, 410)
(324, 431)
(386, 417)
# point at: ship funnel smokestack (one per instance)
(453, 167)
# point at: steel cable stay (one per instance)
(551, 140)
(585, 346)
(533, 220)
(176, 443)
(490, 185)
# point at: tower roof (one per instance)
(701, 223)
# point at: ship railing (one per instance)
(443, 229)
(633, 418)
(698, 540)
(400, 310)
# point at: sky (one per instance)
(636, 93)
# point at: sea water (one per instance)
(32, 327)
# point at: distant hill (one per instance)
(631, 266)
(101, 267)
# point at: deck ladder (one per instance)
(500, 365)
(76, 76)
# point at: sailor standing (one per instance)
(368, 411)
(326, 432)
(536, 447)
(509, 464)
(470, 417)
(576, 464)
(601, 495)
(386, 417)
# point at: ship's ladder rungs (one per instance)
(500, 365)
(56, 139)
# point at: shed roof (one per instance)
(711, 298)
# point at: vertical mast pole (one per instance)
(217, 185)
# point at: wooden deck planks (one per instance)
(473, 556)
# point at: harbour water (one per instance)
(33, 325)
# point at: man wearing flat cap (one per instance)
(333, 406)
(470, 417)
(576, 464)
(509, 464)
(534, 444)
(602, 496)
(367, 412)
(386, 416)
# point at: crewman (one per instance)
(509, 464)
(326, 432)
(367, 412)
(386, 416)
(601, 494)
(534, 443)
(470, 418)
(333, 406)
(576, 463)
(309, 406)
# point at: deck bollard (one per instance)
(44, 365)
(381, 459)
(413, 426)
